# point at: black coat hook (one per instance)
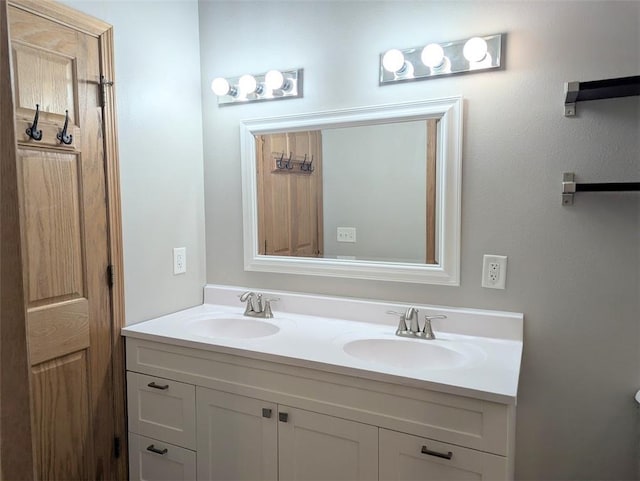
(63, 137)
(279, 162)
(289, 161)
(32, 131)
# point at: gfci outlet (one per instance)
(179, 260)
(494, 271)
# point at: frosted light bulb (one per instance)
(247, 84)
(475, 49)
(432, 55)
(220, 86)
(393, 60)
(274, 80)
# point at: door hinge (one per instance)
(110, 275)
(116, 447)
(104, 83)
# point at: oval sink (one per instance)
(409, 354)
(233, 328)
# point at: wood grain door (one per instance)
(290, 199)
(65, 245)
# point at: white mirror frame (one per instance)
(447, 272)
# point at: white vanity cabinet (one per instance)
(260, 418)
(246, 438)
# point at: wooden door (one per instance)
(64, 226)
(404, 457)
(237, 437)
(315, 446)
(290, 198)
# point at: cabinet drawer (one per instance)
(162, 409)
(406, 457)
(152, 460)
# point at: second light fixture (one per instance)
(436, 59)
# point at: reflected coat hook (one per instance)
(32, 131)
(307, 167)
(63, 136)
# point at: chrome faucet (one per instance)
(414, 328)
(257, 305)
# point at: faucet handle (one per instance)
(266, 306)
(402, 324)
(427, 331)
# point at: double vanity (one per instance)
(325, 389)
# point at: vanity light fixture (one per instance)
(273, 85)
(436, 59)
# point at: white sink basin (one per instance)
(412, 354)
(233, 328)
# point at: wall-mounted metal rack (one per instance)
(599, 89)
(570, 187)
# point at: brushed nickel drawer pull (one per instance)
(161, 452)
(163, 387)
(447, 455)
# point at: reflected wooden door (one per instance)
(290, 199)
(65, 247)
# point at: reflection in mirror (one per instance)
(354, 193)
(369, 193)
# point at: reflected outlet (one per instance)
(346, 234)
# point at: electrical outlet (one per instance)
(179, 260)
(494, 271)
(346, 234)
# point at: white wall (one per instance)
(375, 179)
(573, 271)
(158, 91)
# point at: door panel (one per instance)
(54, 331)
(64, 235)
(64, 448)
(237, 440)
(52, 225)
(315, 446)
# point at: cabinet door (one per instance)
(315, 446)
(237, 437)
(405, 457)
(151, 460)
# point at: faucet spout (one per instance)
(412, 316)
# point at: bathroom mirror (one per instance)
(383, 183)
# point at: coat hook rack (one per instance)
(283, 164)
(570, 187)
(32, 131)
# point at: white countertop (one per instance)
(491, 369)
